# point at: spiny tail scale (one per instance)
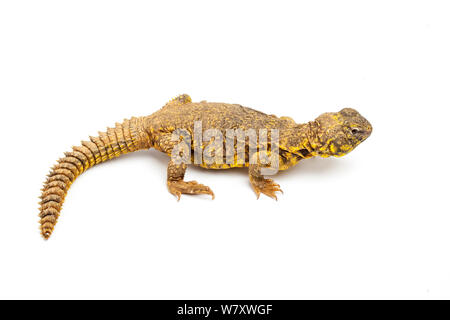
(125, 137)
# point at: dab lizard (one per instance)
(331, 134)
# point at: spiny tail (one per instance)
(126, 137)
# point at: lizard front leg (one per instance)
(176, 184)
(259, 183)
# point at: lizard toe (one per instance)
(267, 187)
(189, 187)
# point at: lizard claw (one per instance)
(177, 188)
(266, 186)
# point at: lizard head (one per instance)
(340, 132)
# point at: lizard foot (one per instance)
(177, 188)
(266, 186)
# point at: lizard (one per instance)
(330, 134)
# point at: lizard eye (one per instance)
(355, 130)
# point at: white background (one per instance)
(373, 224)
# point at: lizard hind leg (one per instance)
(177, 186)
(180, 100)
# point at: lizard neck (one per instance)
(302, 139)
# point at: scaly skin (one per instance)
(331, 134)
